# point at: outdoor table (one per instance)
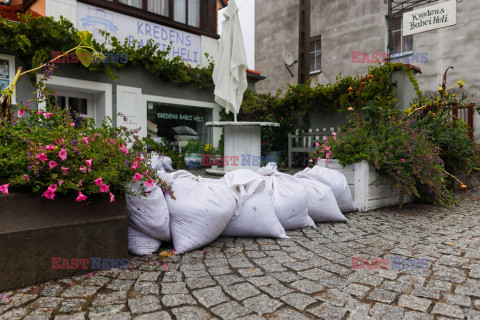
(242, 148)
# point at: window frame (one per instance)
(207, 23)
(315, 39)
(401, 53)
(11, 72)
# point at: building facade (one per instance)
(160, 109)
(349, 36)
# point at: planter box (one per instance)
(33, 230)
(367, 193)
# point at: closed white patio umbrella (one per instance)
(242, 149)
(230, 71)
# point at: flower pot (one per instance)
(369, 191)
(34, 230)
(193, 161)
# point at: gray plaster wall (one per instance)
(347, 26)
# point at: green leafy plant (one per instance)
(164, 149)
(194, 146)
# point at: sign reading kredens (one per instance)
(430, 18)
(183, 44)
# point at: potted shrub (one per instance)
(62, 191)
(193, 154)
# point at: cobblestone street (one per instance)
(308, 276)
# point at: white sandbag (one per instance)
(159, 162)
(202, 209)
(289, 197)
(141, 244)
(256, 215)
(336, 181)
(322, 205)
(167, 163)
(149, 214)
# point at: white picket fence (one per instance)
(304, 142)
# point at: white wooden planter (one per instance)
(367, 192)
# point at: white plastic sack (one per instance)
(141, 244)
(149, 214)
(202, 209)
(160, 162)
(289, 197)
(256, 214)
(322, 205)
(336, 181)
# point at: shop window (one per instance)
(315, 54)
(400, 44)
(178, 124)
(159, 7)
(7, 72)
(79, 103)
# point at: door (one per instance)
(129, 103)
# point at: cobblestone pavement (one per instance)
(305, 277)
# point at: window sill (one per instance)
(312, 73)
(401, 55)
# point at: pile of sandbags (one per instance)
(243, 203)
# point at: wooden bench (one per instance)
(304, 142)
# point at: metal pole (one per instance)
(304, 41)
(389, 45)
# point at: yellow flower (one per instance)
(440, 89)
(454, 95)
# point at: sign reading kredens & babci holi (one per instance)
(430, 18)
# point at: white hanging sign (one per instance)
(430, 18)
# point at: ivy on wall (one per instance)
(34, 40)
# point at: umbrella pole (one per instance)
(235, 116)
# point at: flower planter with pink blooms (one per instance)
(62, 191)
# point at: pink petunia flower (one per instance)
(72, 124)
(81, 196)
(334, 133)
(403, 160)
(83, 169)
(112, 197)
(52, 187)
(63, 154)
(21, 113)
(64, 170)
(49, 147)
(310, 160)
(49, 194)
(26, 177)
(52, 164)
(89, 162)
(42, 157)
(104, 188)
(85, 140)
(98, 181)
(135, 165)
(4, 188)
(317, 144)
(48, 115)
(80, 183)
(40, 112)
(123, 148)
(327, 148)
(137, 176)
(149, 183)
(139, 159)
(60, 182)
(112, 141)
